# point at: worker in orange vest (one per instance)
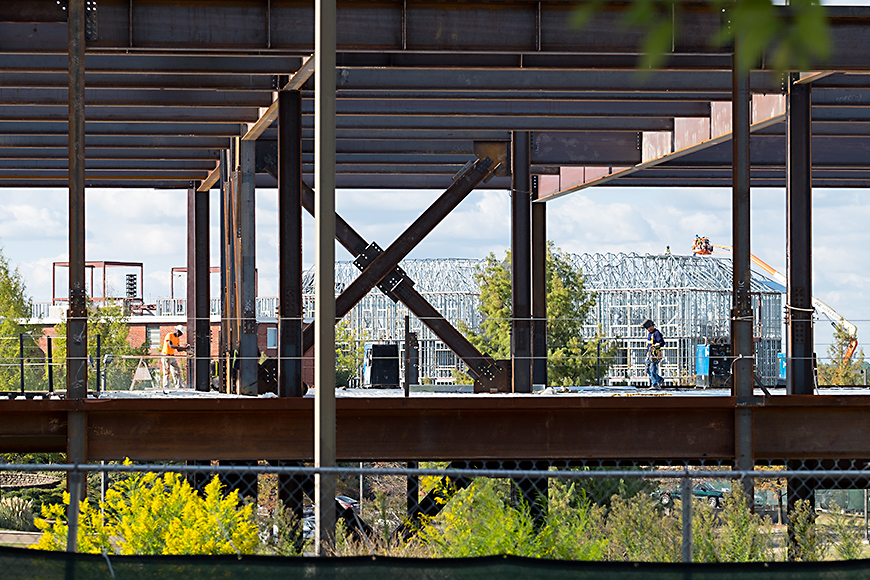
(169, 362)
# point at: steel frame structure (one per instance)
(121, 93)
(688, 297)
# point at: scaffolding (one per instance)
(688, 298)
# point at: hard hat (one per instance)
(179, 329)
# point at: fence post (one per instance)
(21, 358)
(686, 494)
(99, 373)
(866, 535)
(50, 369)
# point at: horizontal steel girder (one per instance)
(568, 428)
(514, 27)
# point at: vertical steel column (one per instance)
(799, 364)
(235, 268)
(799, 338)
(290, 244)
(77, 454)
(539, 289)
(248, 352)
(223, 196)
(77, 316)
(521, 263)
(198, 310)
(324, 277)
(741, 311)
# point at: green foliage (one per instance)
(153, 514)
(811, 542)
(601, 491)
(795, 38)
(842, 370)
(15, 310)
(744, 535)
(461, 378)
(282, 533)
(348, 354)
(846, 535)
(574, 529)
(571, 359)
(16, 513)
(640, 532)
(109, 321)
(479, 522)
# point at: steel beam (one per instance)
(95, 129)
(142, 97)
(787, 427)
(325, 39)
(799, 308)
(521, 264)
(289, 245)
(198, 308)
(547, 81)
(539, 289)
(224, 245)
(156, 63)
(248, 351)
(77, 315)
(742, 314)
(132, 80)
(150, 114)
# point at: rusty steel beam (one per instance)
(791, 427)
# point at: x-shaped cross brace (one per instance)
(380, 267)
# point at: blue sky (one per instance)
(149, 226)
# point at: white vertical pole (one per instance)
(324, 314)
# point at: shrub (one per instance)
(810, 539)
(153, 514)
(16, 513)
(845, 534)
(639, 531)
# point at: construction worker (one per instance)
(169, 362)
(655, 342)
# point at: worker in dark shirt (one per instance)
(655, 342)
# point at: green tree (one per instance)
(15, 310)
(842, 370)
(571, 358)
(110, 322)
(348, 354)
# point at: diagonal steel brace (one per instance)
(481, 366)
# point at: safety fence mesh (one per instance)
(421, 516)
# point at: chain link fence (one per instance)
(584, 510)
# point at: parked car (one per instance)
(701, 490)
